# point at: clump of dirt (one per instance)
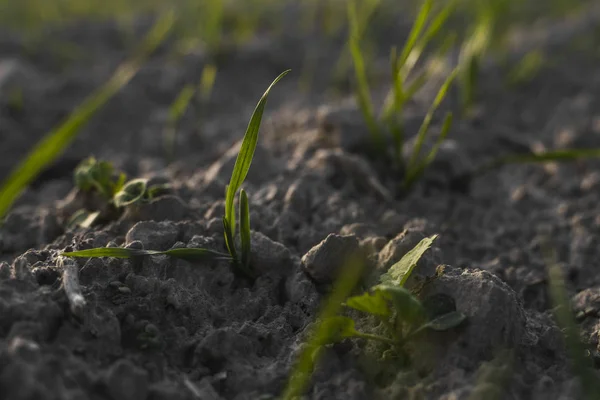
(159, 328)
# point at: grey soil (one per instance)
(157, 328)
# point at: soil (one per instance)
(158, 328)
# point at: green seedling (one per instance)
(403, 315)
(401, 66)
(57, 140)
(240, 171)
(92, 174)
(176, 112)
(99, 177)
(399, 310)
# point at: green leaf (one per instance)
(245, 229)
(115, 252)
(416, 30)
(193, 254)
(363, 93)
(83, 218)
(414, 174)
(244, 158)
(132, 192)
(93, 174)
(57, 140)
(432, 30)
(399, 273)
(408, 308)
(412, 163)
(373, 302)
(446, 321)
(188, 254)
(337, 329)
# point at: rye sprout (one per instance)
(240, 171)
(421, 34)
(57, 140)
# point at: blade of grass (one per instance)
(363, 93)
(301, 371)
(176, 111)
(406, 62)
(244, 158)
(432, 30)
(565, 155)
(207, 81)
(415, 31)
(245, 229)
(412, 163)
(57, 140)
(413, 175)
(395, 114)
(190, 254)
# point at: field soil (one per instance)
(157, 328)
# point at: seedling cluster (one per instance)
(94, 175)
(390, 118)
(98, 178)
(397, 308)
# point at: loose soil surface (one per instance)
(157, 328)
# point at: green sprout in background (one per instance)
(56, 141)
(401, 66)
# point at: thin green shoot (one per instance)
(321, 333)
(413, 165)
(396, 126)
(415, 173)
(241, 167)
(362, 90)
(527, 68)
(57, 140)
(412, 51)
(176, 111)
(564, 155)
(207, 81)
(415, 31)
(365, 12)
(435, 26)
(188, 254)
